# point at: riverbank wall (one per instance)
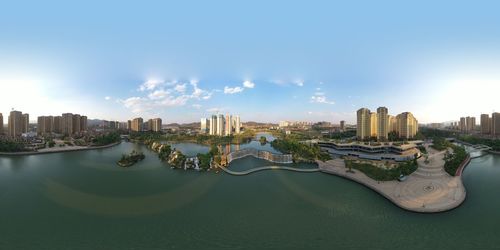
(57, 150)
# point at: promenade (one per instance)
(59, 150)
(427, 190)
(253, 170)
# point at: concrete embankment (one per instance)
(58, 150)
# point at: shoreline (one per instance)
(57, 151)
(429, 191)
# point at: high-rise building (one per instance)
(373, 124)
(407, 125)
(156, 125)
(129, 125)
(463, 125)
(76, 123)
(342, 125)
(57, 128)
(470, 124)
(485, 124)
(382, 123)
(67, 124)
(204, 123)
(1, 124)
(228, 125)
(137, 124)
(237, 124)
(495, 124)
(392, 123)
(213, 125)
(15, 123)
(220, 125)
(25, 123)
(363, 128)
(45, 125)
(83, 123)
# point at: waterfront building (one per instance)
(495, 124)
(485, 124)
(220, 125)
(137, 125)
(213, 125)
(25, 123)
(67, 124)
(237, 124)
(45, 125)
(228, 125)
(129, 125)
(204, 125)
(373, 151)
(156, 125)
(57, 124)
(76, 124)
(1, 124)
(373, 124)
(407, 125)
(83, 123)
(342, 125)
(363, 130)
(382, 123)
(15, 123)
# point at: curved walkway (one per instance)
(246, 172)
(428, 190)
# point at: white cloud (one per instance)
(299, 83)
(196, 106)
(320, 99)
(158, 94)
(107, 98)
(248, 84)
(319, 93)
(229, 90)
(171, 101)
(136, 104)
(181, 88)
(150, 84)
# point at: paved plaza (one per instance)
(429, 189)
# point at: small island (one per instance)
(131, 159)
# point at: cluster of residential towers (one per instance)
(379, 124)
(221, 125)
(490, 125)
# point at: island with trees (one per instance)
(131, 159)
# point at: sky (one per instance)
(263, 60)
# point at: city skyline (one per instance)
(269, 65)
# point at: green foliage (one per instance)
(494, 144)
(341, 135)
(263, 140)
(453, 160)
(439, 143)
(204, 160)
(146, 136)
(381, 174)
(179, 161)
(12, 146)
(106, 139)
(165, 152)
(130, 159)
(51, 143)
(300, 151)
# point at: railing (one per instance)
(276, 158)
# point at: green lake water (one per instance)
(83, 200)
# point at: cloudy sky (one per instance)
(263, 60)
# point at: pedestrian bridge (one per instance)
(261, 154)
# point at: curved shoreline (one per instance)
(57, 151)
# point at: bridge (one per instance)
(476, 151)
(246, 172)
(261, 154)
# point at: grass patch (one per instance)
(380, 174)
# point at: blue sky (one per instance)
(301, 60)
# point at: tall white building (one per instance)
(213, 125)
(203, 125)
(237, 124)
